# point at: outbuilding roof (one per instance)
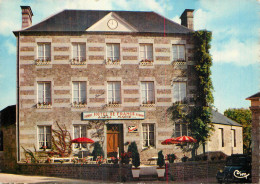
(80, 20)
(218, 118)
(257, 95)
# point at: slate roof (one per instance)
(257, 95)
(80, 20)
(219, 118)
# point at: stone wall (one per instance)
(104, 172)
(95, 72)
(8, 155)
(194, 170)
(255, 143)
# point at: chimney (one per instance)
(26, 16)
(187, 18)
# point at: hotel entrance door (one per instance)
(114, 140)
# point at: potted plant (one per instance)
(184, 159)
(171, 157)
(125, 158)
(160, 163)
(132, 148)
(97, 151)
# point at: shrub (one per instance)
(171, 157)
(97, 151)
(125, 157)
(132, 148)
(136, 159)
(184, 159)
(160, 161)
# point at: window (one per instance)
(147, 92)
(44, 93)
(178, 52)
(113, 51)
(179, 92)
(146, 52)
(148, 135)
(233, 134)
(114, 93)
(44, 51)
(79, 51)
(1, 141)
(221, 131)
(181, 129)
(44, 137)
(79, 92)
(80, 131)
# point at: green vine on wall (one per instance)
(199, 116)
(201, 125)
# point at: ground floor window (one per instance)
(181, 129)
(80, 131)
(44, 137)
(148, 135)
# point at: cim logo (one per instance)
(239, 174)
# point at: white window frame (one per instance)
(145, 99)
(113, 57)
(146, 57)
(177, 53)
(44, 57)
(79, 56)
(148, 135)
(79, 145)
(79, 92)
(114, 92)
(44, 92)
(45, 136)
(180, 99)
(181, 129)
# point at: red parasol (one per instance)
(187, 139)
(82, 140)
(169, 141)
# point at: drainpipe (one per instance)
(18, 99)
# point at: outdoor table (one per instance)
(152, 159)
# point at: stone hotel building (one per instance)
(124, 67)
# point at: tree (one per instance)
(97, 151)
(243, 117)
(61, 141)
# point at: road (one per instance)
(15, 178)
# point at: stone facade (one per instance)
(230, 144)
(255, 108)
(61, 73)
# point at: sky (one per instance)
(234, 46)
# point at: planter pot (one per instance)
(136, 172)
(160, 172)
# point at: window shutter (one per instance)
(116, 51)
(174, 52)
(181, 52)
(47, 51)
(150, 52)
(40, 92)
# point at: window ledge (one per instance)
(179, 63)
(147, 105)
(39, 62)
(43, 106)
(113, 105)
(79, 105)
(78, 62)
(109, 62)
(146, 63)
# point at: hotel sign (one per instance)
(112, 115)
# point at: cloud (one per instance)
(235, 51)
(233, 41)
(177, 19)
(11, 48)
